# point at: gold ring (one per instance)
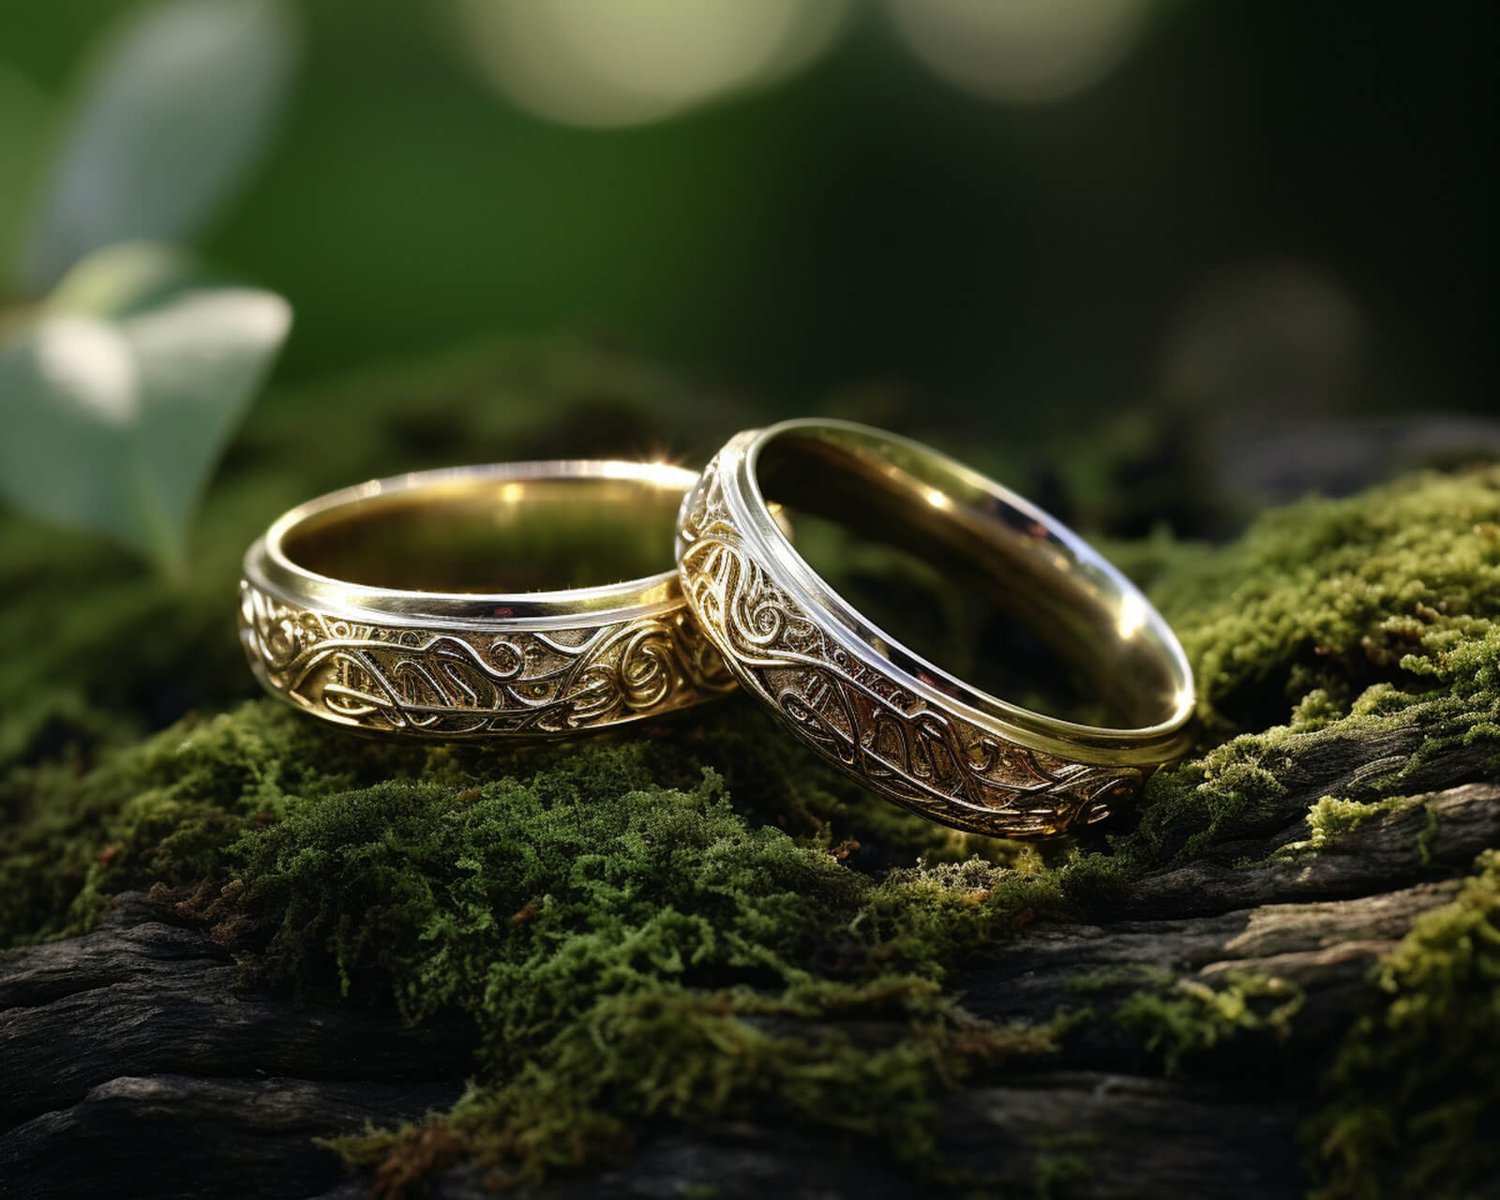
(480, 602)
(909, 728)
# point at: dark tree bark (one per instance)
(134, 1063)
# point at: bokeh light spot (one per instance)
(630, 62)
(1022, 51)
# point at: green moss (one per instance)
(1061, 1163)
(1190, 1017)
(1331, 818)
(1390, 740)
(1413, 1096)
(690, 1055)
(626, 943)
(1332, 627)
(619, 946)
(1331, 597)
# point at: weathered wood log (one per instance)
(132, 1053)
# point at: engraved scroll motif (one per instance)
(474, 683)
(932, 761)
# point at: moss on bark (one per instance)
(1413, 1098)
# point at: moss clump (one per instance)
(1350, 642)
(625, 942)
(1062, 1164)
(1413, 1096)
(1327, 598)
(161, 811)
(167, 808)
(1188, 1017)
(1332, 817)
(1437, 730)
(621, 947)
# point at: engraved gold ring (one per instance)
(886, 706)
(515, 599)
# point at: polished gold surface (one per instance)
(526, 599)
(925, 736)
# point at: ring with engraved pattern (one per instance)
(518, 599)
(937, 739)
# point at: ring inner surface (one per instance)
(961, 578)
(494, 536)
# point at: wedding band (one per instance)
(480, 602)
(907, 727)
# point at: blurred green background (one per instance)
(1033, 225)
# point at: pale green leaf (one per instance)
(120, 280)
(114, 420)
(170, 115)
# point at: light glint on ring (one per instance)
(1132, 617)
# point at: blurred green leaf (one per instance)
(124, 279)
(169, 116)
(119, 395)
